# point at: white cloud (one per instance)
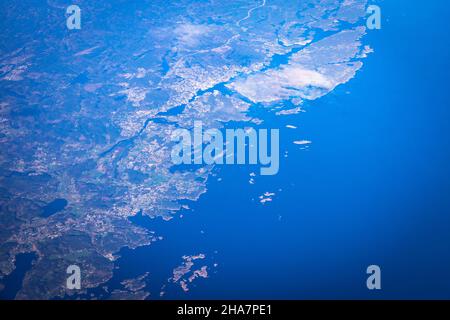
(188, 35)
(289, 81)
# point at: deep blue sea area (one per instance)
(371, 189)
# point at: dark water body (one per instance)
(53, 207)
(13, 282)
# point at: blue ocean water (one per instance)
(371, 189)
